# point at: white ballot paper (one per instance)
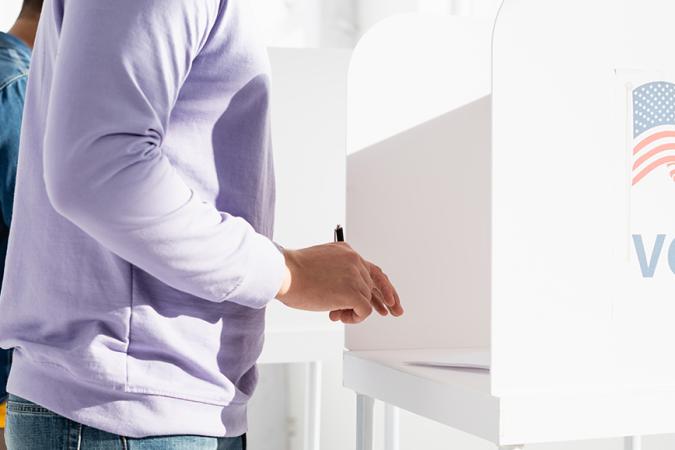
(461, 359)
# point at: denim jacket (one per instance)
(14, 62)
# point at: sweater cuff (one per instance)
(264, 277)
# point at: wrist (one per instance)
(286, 284)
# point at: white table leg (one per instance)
(632, 443)
(391, 427)
(512, 447)
(364, 422)
(313, 406)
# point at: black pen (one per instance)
(339, 235)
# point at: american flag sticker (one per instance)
(653, 146)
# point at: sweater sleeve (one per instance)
(118, 72)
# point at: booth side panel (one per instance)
(418, 204)
(418, 138)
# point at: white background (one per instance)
(276, 410)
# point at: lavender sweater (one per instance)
(139, 261)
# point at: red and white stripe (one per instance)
(653, 150)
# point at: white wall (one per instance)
(9, 9)
(268, 411)
(369, 12)
(306, 23)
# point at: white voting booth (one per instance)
(308, 134)
(516, 181)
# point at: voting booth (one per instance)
(516, 181)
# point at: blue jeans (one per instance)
(32, 427)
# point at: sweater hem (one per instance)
(118, 411)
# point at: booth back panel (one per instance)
(583, 194)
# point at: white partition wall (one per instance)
(518, 187)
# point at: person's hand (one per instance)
(384, 297)
(333, 277)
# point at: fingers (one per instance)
(369, 290)
(382, 282)
(377, 300)
(363, 288)
(391, 298)
(362, 309)
(396, 309)
(347, 316)
(352, 316)
(365, 275)
(374, 290)
(357, 314)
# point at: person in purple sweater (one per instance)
(139, 260)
